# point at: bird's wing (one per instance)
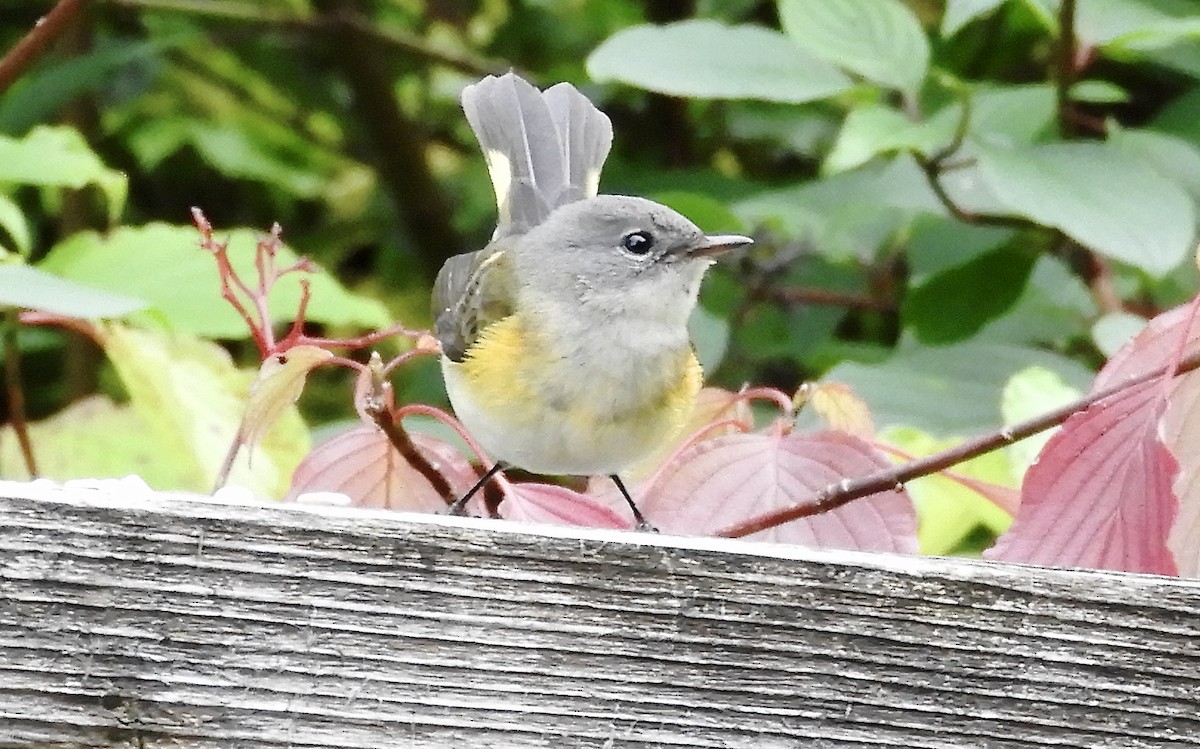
(471, 291)
(542, 149)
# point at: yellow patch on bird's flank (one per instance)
(502, 369)
(507, 368)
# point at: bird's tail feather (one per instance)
(543, 149)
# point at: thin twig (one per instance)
(961, 129)
(935, 165)
(48, 28)
(848, 490)
(362, 341)
(1065, 70)
(392, 39)
(828, 298)
(380, 407)
(85, 328)
(932, 171)
(15, 390)
(399, 438)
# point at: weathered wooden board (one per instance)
(175, 622)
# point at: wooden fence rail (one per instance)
(163, 621)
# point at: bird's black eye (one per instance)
(638, 242)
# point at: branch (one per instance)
(379, 408)
(848, 489)
(1064, 75)
(48, 28)
(932, 169)
(829, 298)
(16, 392)
(394, 40)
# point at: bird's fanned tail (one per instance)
(543, 149)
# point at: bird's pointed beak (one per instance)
(716, 244)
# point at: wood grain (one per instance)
(174, 622)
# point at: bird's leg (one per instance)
(642, 524)
(460, 504)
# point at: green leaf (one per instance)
(1046, 13)
(1181, 117)
(708, 213)
(1164, 32)
(1028, 393)
(1174, 158)
(191, 398)
(1008, 115)
(30, 288)
(948, 390)
(875, 129)
(708, 60)
(804, 130)
(1100, 196)
(1123, 25)
(961, 12)
(1054, 309)
(1112, 331)
(847, 214)
(13, 223)
(939, 243)
(235, 152)
(77, 443)
(710, 337)
(948, 511)
(53, 156)
(881, 40)
(39, 96)
(957, 303)
(180, 280)
(1099, 92)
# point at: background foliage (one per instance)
(963, 208)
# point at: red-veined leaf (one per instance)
(1181, 433)
(1154, 347)
(712, 405)
(362, 464)
(1099, 494)
(724, 481)
(547, 503)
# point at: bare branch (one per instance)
(1065, 68)
(48, 28)
(391, 39)
(16, 391)
(848, 490)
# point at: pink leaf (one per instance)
(1153, 348)
(1100, 493)
(724, 481)
(1181, 432)
(547, 503)
(362, 464)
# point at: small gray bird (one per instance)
(564, 340)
